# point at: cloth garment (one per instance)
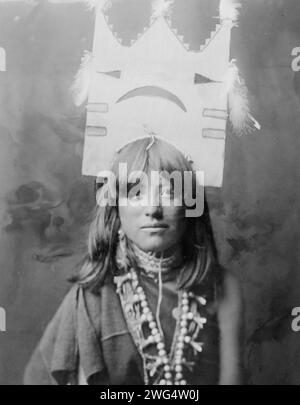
(91, 330)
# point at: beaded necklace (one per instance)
(161, 368)
(152, 265)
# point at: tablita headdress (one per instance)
(146, 77)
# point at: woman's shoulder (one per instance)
(56, 344)
(74, 327)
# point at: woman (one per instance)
(151, 305)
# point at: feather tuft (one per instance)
(229, 11)
(161, 8)
(81, 85)
(95, 4)
(238, 102)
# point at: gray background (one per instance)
(45, 203)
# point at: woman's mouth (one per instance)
(155, 227)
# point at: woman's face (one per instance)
(153, 227)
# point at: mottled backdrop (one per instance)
(45, 203)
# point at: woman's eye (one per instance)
(134, 196)
(138, 195)
(167, 193)
(133, 191)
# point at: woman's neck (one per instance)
(163, 254)
(153, 262)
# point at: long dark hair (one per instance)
(197, 243)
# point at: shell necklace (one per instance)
(161, 368)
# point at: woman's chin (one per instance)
(155, 244)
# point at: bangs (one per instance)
(148, 155)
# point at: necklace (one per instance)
(148, 263)
(161, 368)
(151, 264)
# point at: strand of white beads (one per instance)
(158, 339)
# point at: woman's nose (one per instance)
(154, 207)
(154, 211)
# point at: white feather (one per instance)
(161, 8)
(240, 116)
(81, 85)
(229, 10)
(95, 4)
(230, 77)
